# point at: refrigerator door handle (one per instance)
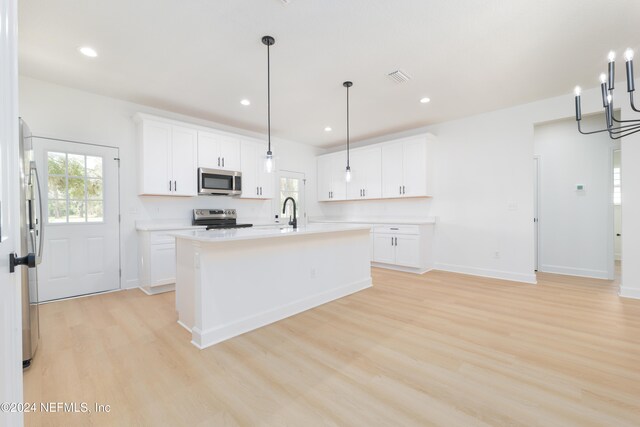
(40, 219)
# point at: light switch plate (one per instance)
(579, 187)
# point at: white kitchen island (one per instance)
(229, 282)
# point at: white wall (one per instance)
(576, 226)
(483, 196)
(66, 113)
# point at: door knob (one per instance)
(15, 260)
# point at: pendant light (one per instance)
(347, 174)
(268, 163)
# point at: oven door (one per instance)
(219, 182)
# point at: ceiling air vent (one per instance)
(285, 1)
(399, 76)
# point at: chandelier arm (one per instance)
(626, 134)
(633, 106)
(623, 129)
(592, 132)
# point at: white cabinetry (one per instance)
(256, 183)
(392, 169)
(167, 159)
(331, 177)
(404, 168)
(400, 246)
(366, 174)
(156, 261)
(218, 151)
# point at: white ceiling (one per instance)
(201, 57)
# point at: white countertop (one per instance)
(166, 225)
(263, 233)
(408, 221)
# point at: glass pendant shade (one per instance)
(268, 162)
(347, 174)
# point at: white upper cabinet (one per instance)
(366, 174)
(167, 159)
(218, 151)
(389, 170)
(405, 169)
(331, 177)
(256, 182)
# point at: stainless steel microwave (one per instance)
(218, 182)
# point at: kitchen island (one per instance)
(229, 282)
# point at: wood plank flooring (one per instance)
(436, 349)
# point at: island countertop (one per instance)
(251, 233)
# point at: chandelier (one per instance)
(615, 128)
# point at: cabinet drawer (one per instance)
(396, 229)
(161, 238)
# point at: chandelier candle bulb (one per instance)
(603, 89)
(630, 83)
(612, 70)
(578, 107)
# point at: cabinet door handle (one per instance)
(169, 185)
(393, 228)
(392, 241)
(364, 192)
(218, 161)
(400, 189)
(403, 192)
(396, 241)
(261, 191)
(223, 162)
(175, 185)
(257, 191)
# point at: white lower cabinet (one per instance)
(156, 261)
(406, 247)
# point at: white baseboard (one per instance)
(204, 339)
(155, 290)
(401, 268)
(629, 292)
(484, 272)
(131, 284)
(572, 271)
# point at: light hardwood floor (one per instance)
(437, 349)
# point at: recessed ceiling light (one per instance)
(245, 102)
(327, 129)
(88, 51)
(424, 100)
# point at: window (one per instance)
(290, 187)
(617, 189)
(74, 188)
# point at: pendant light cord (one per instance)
(269, 97)
(347, 126)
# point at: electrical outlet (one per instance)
(496, 254)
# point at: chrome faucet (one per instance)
(294, 221)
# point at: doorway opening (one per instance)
(617, 213)
(574, 205)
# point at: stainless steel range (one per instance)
(217, 218)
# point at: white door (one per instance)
(373, 173)
(414, 154)
(82, 218)
(392, 170)
(156, 152)
(10, 308)
(384, 249)
(249, 169)
(324, 178)
(184, 162)
(230, 153)
(408, 250)
(208, 151)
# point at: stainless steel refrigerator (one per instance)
(31, 243)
